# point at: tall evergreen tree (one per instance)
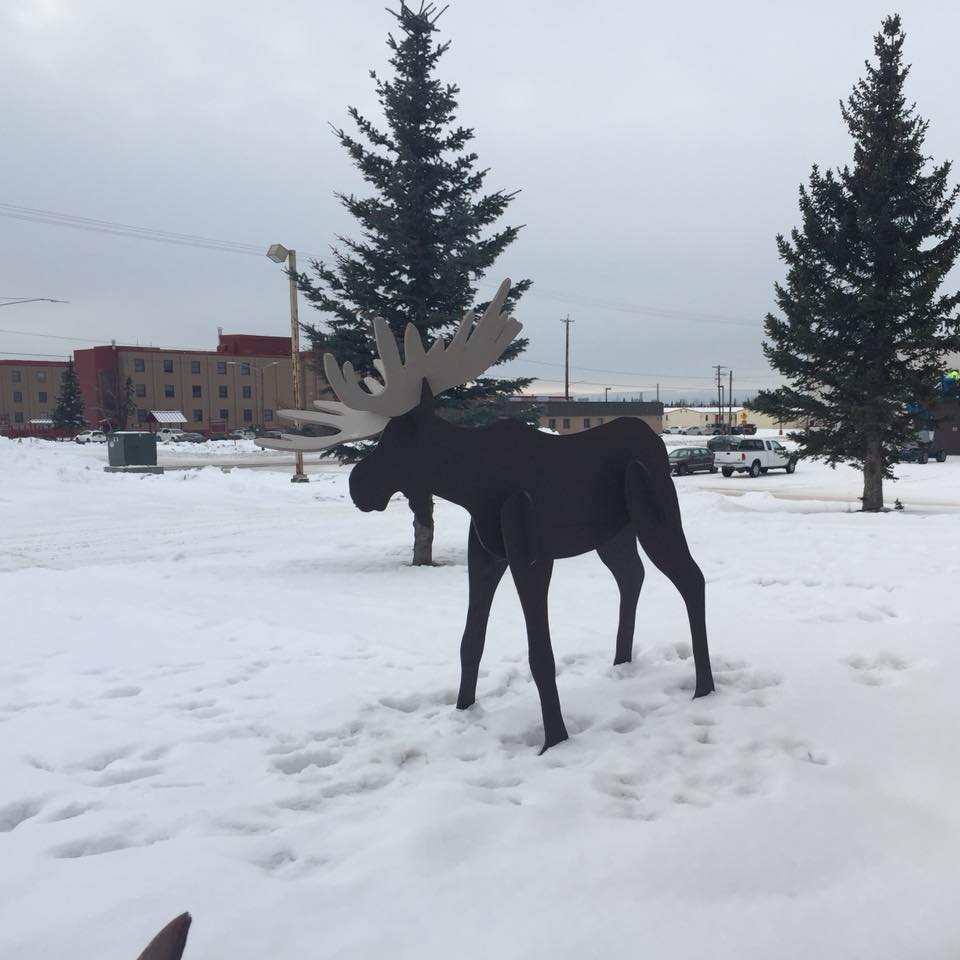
(864, 329)
(68, 413)
(424, 240)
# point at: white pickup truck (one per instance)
(754, 456)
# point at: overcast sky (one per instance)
(657, 147)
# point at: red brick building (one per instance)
(28, 393)
(240, 384)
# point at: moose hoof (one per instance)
(464, 702)
(552, 742)
(703, 689)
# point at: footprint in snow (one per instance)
(877, 670)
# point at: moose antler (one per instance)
(475, 346)
(350, 425)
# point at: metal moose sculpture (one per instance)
(532, 497)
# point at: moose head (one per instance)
(532, 498)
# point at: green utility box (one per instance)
(132, 451)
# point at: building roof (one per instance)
(601, 408)
(168, 416)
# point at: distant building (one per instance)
(685, 417)
(240, 384)
(574, 416)
(28, 393)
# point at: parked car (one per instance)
(693, 432)
(218, 435)
(686, 460)
(745, 429)
(241, 435)
(673, 430)
(755, 456)
(722, 442)
(91, 436)
(270, 434)
(166, 434)
(189, 438)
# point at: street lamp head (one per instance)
(277, 253)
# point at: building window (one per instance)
(196, 390)
(222, 391)
(566, 424)
(42, 396)
(552, 423)
(18, 416)
(222, 367)
(139, 365)
(224, 414)
(245, 369)
(198, 416)
(15, 374)
(194, 366)
(586, 423)
(600, 421)
(41, 376)
(141, 415)
(267, 415)
(140, 389)
(18, 396)
(247, 393)
(168, 390)
(248, 416)
(168, 366)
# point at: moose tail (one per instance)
(651, 498)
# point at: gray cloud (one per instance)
(658, 149)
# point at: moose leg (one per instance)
(531, 575)
(485, 572)
(622, 559)
(655, 513)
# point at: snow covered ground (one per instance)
(223, 692)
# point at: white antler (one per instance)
(350, 425)
(475, 346)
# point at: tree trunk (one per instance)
(422, 531)
(873, 476)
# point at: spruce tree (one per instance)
(864, 328)
(424, 239)
(68, 413)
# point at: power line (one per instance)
(56, 336)
(635, 373)
(54, 356)
(131, 231)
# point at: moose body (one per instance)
(534, 498)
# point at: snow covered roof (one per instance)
(168, 416)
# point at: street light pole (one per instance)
(278, 254)
(606, 394)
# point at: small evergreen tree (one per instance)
(423, 242)
(68, 413)
(128, 404)
(864, 329)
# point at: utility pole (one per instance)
(719, 370)
(730, 404)
(658, 393)
(566, 364)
